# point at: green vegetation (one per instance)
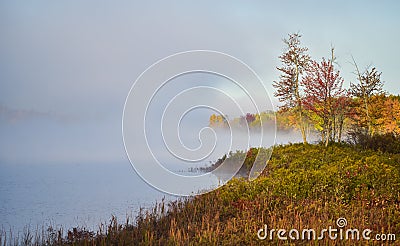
(253, 157)
(303, 186)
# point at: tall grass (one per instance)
(303, 186)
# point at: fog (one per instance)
(66, 67)
(166, 120)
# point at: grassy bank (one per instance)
(303, 186)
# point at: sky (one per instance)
(66, 67)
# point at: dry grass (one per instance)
(303, 187)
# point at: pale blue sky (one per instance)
(66, 66)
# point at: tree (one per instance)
(369, 84)
(326, 97)
(213, 120)
(295, 61)
(250, 118)
(389, 122)
(392, 115)
(342, 112)
(218, 121)
(265, 119)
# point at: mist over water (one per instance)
(87, 194)
(74, 172)
(93, 181)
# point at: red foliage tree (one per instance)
(250, 117)
(325, 96)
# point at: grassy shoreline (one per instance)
(303, 186)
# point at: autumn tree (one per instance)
(213, 120)
(342, 112)
(250, 117)
(369, 84)
(295, 61)
(391, 120)
(326, 97)
(386, 111)
(218, 121)
(264, 119)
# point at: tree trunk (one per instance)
(365, 98)
(340, 130)
(300, 108)
(302, 127)
(328, 134)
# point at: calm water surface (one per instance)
(71, 195)
(75, 194)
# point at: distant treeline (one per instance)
(383, 115)
(266, 118)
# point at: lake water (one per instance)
(71, 195)
(75, 194)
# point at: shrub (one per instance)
(388, 142)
